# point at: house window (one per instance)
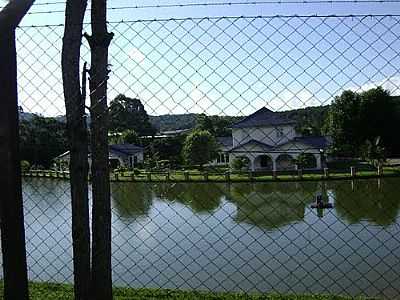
(222, 158)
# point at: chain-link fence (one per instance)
(226, 137)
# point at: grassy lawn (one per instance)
(52, 291)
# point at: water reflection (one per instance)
(370, 200)
(200, 197)
(132, 200)
(267, 205)
(216, 236)
(272, 205)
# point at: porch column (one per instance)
(319, 161)
(252, 163)
(273, 158)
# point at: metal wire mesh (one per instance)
(219, 234)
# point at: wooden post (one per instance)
(326, 172)
(353, 172)
(11, 204)
(186, 175)
(227, 176)
(274, 175)
(206, 176)
(380, 170)
(300, 173)
(167, 177)
(149, 176)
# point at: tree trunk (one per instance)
(11, 205)
(101, 213)
(78, 144)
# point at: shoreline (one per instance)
(192, 177)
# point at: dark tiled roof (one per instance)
(264, 117)
(317, 142)
(126, 149)
(263, 145)
(226, 141)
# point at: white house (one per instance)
(124, 155)
(270, 141)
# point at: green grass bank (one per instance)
(53, 291)
(205, 176)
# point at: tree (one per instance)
(128, 136)
(11, 208)
(379, 118)
(41, 140)
(216, 125)
(127, 113)
(99, 42)
(355, 118)
(305, 161)
(74, 97)
(199, 148)
(344, 123)
(373, 152)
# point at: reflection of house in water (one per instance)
(272, 205)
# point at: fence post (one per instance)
(186, 174)
(380, 170)
(274, 175)
(167, 176)
(227, 176)
(206, 176)
(300, 173)
(326, 172)
(353, 172)
(149, 176)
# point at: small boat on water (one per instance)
(320, 204)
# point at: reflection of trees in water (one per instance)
(132, 200)
(272, 205)
(269, 205)
(200, 197)
(367, 201)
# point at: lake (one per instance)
(252, 237)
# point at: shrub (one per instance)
(240, 163)
(25, 165)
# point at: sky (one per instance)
(189, 60)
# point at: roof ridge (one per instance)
(264, 117)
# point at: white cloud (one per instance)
(293, 100)
(136, 55)
(201, 102)
(392, 84)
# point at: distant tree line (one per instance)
(360, 125)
